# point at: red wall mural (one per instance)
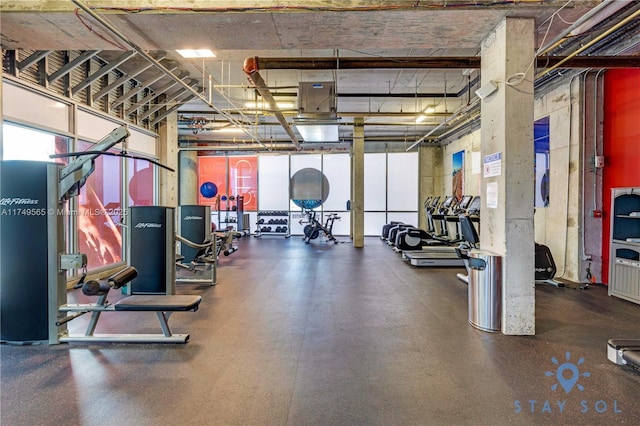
(242, 179)
(621, 143)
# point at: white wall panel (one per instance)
(93, 128)
(24, 105)
(142, 142)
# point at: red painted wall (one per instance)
(621, 143)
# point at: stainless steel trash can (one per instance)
(485, 290)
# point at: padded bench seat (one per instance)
(159, 303)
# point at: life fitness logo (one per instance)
(193, 218)
(147, 225)
(18, 202)
(567, 376)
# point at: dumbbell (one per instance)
(261, 221)
(278, 229)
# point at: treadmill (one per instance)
(441, 255)
(624, 352)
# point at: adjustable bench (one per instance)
(162, 305)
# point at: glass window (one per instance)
(273, 182)
(402, 181)
(99, 209)
(141, 182)
(375, 182)
(22, 143)
(337, 169)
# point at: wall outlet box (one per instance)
(487, 90)
(599, 161)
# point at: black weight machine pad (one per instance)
(159, 303)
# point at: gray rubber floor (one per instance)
(326, 334)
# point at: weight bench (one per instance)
(162, 305)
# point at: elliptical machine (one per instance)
(313, 229)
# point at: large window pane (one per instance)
(99, 209)
(141, 186)
(303, 161)
(373, 223)
(402, 192)
(337, 169)
(273, 182)
(22, 143)
(375, 182)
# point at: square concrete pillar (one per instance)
(508, 156)
(357, 202)
(168, 155)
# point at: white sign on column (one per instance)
(493, 165)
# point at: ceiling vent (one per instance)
(317, 119)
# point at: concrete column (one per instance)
(188, 177)
(357, 170)
(507, 130)
(429, 161)
(168, 154)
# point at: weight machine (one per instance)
(33, 258)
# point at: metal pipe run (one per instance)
(252, 71)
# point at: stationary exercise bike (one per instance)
(314, 227)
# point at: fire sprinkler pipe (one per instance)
(250, 67)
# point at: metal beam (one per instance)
(102, 71)
(169, 99)
(162, 115)
(433, 62)
(153, 95)
(68, 67)
(131, 75)
(32, 59)
(131, 93)
(588, 62)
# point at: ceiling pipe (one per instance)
(251, 69)
(460, 111)
(586, 21)
(587, 45)
(163, 69)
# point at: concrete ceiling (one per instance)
(236, 31)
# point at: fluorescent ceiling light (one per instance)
(422, 117)
(263, 105)
(198, 53)
(319, 132)
(232, 129)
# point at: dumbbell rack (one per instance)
(273, 222)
